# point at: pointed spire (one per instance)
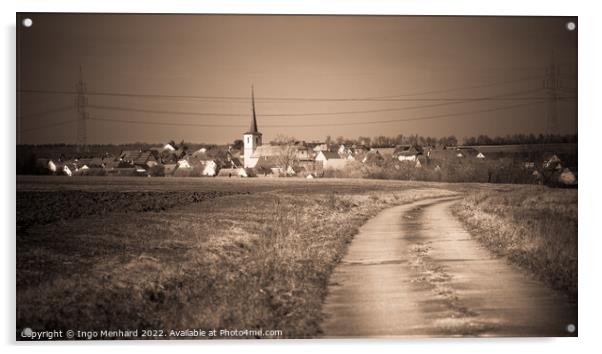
(253, 127)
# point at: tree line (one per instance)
(521, 139)
(400, 139)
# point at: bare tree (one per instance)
(281, 139)
(364, 140)
(287, 157)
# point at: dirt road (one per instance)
(413, 271)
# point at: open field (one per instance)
(535, 227)
(177, 253)
(259, 258)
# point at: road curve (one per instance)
(413, 271)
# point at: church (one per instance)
(252, 138)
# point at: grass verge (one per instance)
(534, 227)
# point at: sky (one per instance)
(154, 78)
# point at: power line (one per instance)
(397, 98)
(48, 126)
(491, 84)
(37, 114)
(143, 110)
(216, 114)
(296, 99)
(143, 122)
(431, 117)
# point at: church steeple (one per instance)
(253, 127)
(252, 138)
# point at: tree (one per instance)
(287, 157)
(281, 139)
(364, 140)
(452, 140)
(470, 141)
(181, 149)
(237, 144)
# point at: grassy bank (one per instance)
(535, 227)
(251, 261)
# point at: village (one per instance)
(293, 159)
(288, 157)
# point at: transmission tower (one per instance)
(81, 102)
(551, 84)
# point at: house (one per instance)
(184, 165)
(552, 161)
(209, 169)
(144, 159)
(129, 156)
(359, 149)
(280, 157)
(51, 166)
(386, 153)
(168, 153)
(331, 160)
(67, 171)
(167, 147)
(480, 155)
(200, 151)
(269, 166)
(407, 152)
(320, 147)
(303, 153)
(265, 151)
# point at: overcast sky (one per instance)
(417, 61)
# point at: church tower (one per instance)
(252, 138)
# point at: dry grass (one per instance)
(249, 261)
(535, 227)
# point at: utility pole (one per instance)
(81, 102)
(551, 84)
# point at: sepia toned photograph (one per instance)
(205, 176)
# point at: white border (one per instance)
(589, 145)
